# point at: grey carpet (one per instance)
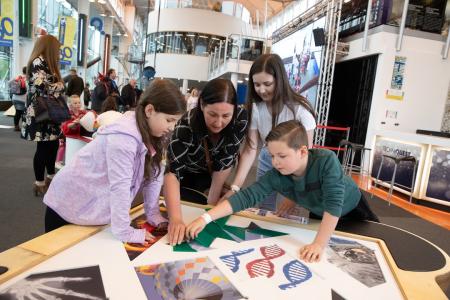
(21, 213)
(398, 217)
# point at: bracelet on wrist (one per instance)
(235, 188)
(207, 218)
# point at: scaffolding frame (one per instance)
(327, 65)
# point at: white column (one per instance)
(108, 28)
(16, 65)
(234, 79)
(83, 8)
(34, 18)
(185, 86)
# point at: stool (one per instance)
(397, 160)
(350, 152)
(345, 144)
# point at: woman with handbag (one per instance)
(45, 82)
(205, 143)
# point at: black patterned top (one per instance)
(41, 82)
(186, 152)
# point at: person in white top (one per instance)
(193, 99)
(270, 101)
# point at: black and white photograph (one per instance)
(72, 284)
(356, 260)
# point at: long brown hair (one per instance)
(284, 94)
(166, 98)
(46, 46)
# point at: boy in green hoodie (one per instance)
(311, 178)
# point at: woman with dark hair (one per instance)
(98, 186)
(44, 79)
(205, 144)
(270, 101)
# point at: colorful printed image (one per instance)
(195, 278)
(135, 249)
(356, 260)
(263, 264)
(405, 170)
(297, 216)
(72, 284)
(439, 180)
(272, 267)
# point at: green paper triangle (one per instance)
(183, 247)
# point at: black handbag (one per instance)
(51, 109)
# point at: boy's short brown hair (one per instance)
(292, 132)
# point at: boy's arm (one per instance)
(241, 200)
(255, 193)
(313, 252)
(221, 210)
(333, 187)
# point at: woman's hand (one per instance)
(193, 229)
(311, 253)
(286, 207)
(176, 231)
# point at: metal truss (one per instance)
(328, 59)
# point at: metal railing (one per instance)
(235, 47)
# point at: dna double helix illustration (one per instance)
(232, 261)
(263, 266)
(295, 273)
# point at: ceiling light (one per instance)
(118, 34)
(91, 0)
(102, 15)
(102, 1)
(126, 34)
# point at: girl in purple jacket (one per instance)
(98, 186)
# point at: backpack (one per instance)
(18, 86)
(101, 91)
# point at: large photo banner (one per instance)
(302, 57)
(6, 22)
(67, 27)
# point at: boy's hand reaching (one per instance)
(193, 229)
(311, 253)
(286, 207)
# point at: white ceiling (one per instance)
(273, 6)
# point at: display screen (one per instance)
(302, 59)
